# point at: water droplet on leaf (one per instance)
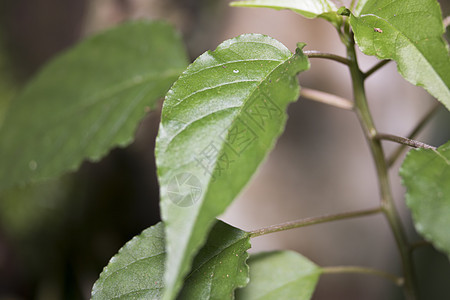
(32, 165)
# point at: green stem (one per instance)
(387, 202)
(326, 98)
(313, 221)
(399, 281)
(376, 67)
(318, 54)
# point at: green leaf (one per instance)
(426, 175)
(88, 100)
(136, 272)
(409, 32)
(307, 8)
(280, 275)
(220, 266)
(219, 121)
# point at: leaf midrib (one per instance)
(217, 254)
(202, 202)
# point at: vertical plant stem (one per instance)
(387, 202)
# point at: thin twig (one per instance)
(326, 98)
(403, 141)
(318, 54)
(419, 244)
(446, 21)
(427, 117)
(362, 270)
(314, 220)
(376, 68)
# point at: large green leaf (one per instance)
(426, 175)
(409, 32)
(219, 121)
(307, 8)
(280, 275)
(88, 100)
(136, 272)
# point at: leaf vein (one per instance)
(212, 88)
(135, 291)
(232, 62)
(132, 263)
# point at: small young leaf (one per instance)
(426, 175)
(409, 32)
(88, 100)
(307, 8)
(280, 275)
(136, 272)
(219, 121)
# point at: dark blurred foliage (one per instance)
(56, 237)
(34, 31)
(58, 249)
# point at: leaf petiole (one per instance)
(314, 220)
(326, 98)
(419, 244)
(376, 68)
(396, 154)
(318, 54)
(403, 141)
(399, 281)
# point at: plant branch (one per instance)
(399, 281)
(318, 54)
(313, 221)
(419, 244)
(387, 202)
(326, 98)
(403, 141)
(446, 21)
(376, 68)
(396, 154)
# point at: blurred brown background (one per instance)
(56, 238)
